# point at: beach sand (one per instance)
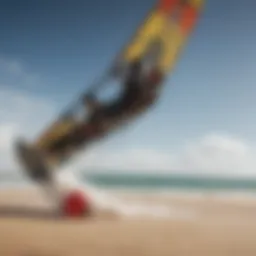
(213, 227)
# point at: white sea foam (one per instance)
(105, 201)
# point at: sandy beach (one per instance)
(212, 227)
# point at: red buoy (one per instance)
(76, 204)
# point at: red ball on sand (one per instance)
(76, 204)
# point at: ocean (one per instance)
(150, 182)
(139, 181)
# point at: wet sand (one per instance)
(28, 227)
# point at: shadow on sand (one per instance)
(28, 213)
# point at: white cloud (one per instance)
(14, 73)
(220, 154)
(11, 66)
(211, 154)
(21, 113)
(6, 137)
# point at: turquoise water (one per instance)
(156, 182)
(170, 182)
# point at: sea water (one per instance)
(156, 182)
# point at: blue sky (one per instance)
(62, 46)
